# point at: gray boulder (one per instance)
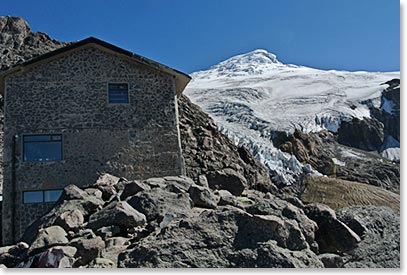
(108, 231)
(11, 255)
(331, 260)
(55, 257)
(107, 180)
(380, 246)
(332, 236)
(226, 198)
(48, 237)
(202, 197)
(101, 263)
(87, 249)
(202, 181)
(157, 202)
(117, 213)
(70, 220)
(133, 187)
(108, 191)
(227, 179)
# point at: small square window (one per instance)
(118, 93)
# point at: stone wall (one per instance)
(69, 96)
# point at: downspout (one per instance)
(13, 184)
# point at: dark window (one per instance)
(52, 195)
(118, 93)
(41, 196)
(42, 147)
(33, 197)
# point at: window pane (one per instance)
(56, 137)
(118, 93)
(37, 138)
(43, 151)
(33, 197)
(52, 195)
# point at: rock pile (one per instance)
(175, 222)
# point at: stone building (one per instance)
(74, 113)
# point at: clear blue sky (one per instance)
(190, 35)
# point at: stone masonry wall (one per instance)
(69, 96)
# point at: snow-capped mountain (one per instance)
(252, 96)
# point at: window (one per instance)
(118, 93)
(52, 195)
(33, 197)
(42, 147)
(41, 196)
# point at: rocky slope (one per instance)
(322, 151)
(18, 43)
(174, 222)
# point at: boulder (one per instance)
(56, 257)
(87, 249)
(70, 220)
(331, 260)
(227, 179)
(226, 198)
(133, 187)
(108, 231)
(117, 213)
(48, 237)
(270, 227)
(332, 236)
(202, 181)
(380, 246)
(308, 226)
(101, 263)
(157, 202)
(202, 197)
(94, 192)
(181, 182)
(106, 180)
(108, 191)
(117, 241)
(11, 255)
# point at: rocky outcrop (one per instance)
(366, 134)
(333, 236)
(380, 229)
(323, 153)
(18, 43)
(382, 130)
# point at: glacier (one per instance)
(252, 96)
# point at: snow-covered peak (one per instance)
(252, 63)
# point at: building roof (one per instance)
(181, 79)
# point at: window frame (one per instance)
(43, 195)
(108, 93)
(61, 140)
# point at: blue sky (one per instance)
(190, 35)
